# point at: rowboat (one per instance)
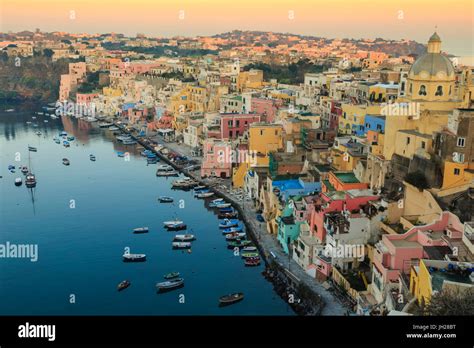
(235, 235)
(66, 162)
(171, 275)
(176, 227)
(123, 285)
(249, 249)
(232, 230)
(184, 237)
(24, 170)
(18, 181)
(226, 210)
(166, 173)
(140, 230)
(226, 223)
(228, 215)
(199, 188)
(231, 298)
(170, 284)
(92, 158)
(223, 205)
(165, 199)
(134, 257)
(32, 149)
(249, 255)
(181, 245)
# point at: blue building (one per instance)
(374, 123)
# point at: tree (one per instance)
(452, 302)
(417, 179)
(47, 52)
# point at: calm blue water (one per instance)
(80, 249)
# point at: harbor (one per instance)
(84, 215)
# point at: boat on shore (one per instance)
(134, 257)
(184, 237)
(66, 162)
(18, 181)
(123, 285)
(140, 230)
(170, 285)
(181, 245)
(231, 299)
(171, 275)
(165, 199)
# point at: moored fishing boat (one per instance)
(205, 195)
(251, 254)
(232, 215)
(166, 173)
(92, 158)
(249, 249)
(181, 245)
(171, 275)
(252, 262)
(226, 223)
(123, 285)
(170, 285)
(184, 237)
(235, 235)
(66, 162)
(140, 230)
(232, 230)
(231, 299)
(18, 181)
(238, 243)
(30, 180)
(24, 170)
(134, 257)
(165, 199)
(223, 205)
(176, 227)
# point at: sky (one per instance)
(389, 19)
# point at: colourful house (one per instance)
(288, 228)
(235, 125)
(342, 181)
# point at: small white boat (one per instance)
(249, 249)
(223, 205)
(172, 223)
(181, 245)
(140, 230)
(204, 195)
(18, 181)
(166, 173)
(9, 110)
(165, 199)
(38, 133)
(184, 237)
(165, 167)
(198, 188)
(134, 257)
(234, 236)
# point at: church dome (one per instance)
(433, 64)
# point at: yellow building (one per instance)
(353, 117)
(263, 139)
(112, 92)
(252, 79)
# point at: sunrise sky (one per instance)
(410, 19)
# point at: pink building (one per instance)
(216, 159)
(394, 254)
(85, 98)
(336, 202)
(234, 125)
(268, 108)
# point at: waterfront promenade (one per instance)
(266, 241)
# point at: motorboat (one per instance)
(71, 138)
(232, 230)
(176, 227)
(226, 223)
(252, 262)
(232, 215)
(226, 210)
(165, 167)
(24, 170)
(66, 162)
(113, 128)
(38, 133)
(251, 254)
(66, 143)
(63, 134)
(238, 243)
(205, 195)
(181, 245)
(57, 141)
(129, 142)
(92, 158)
(235, 235)
(140, 230)
(171, 275)
(184, 237)
(231, 299)
(18, 181)
(165, 199)
(200, 187)
(105, 124)
(166, 173)
(170, 284)
(123, 285)
(134, 257)
(249, 249)
(172, 223)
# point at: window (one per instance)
(379, 127)
(403, 86)
(461, 142)
(237, 123)
(261, 132)
(411, 88)
(457, 171)
(423, 144)
(450, 89)
(422, 90)
(276, 132)
(229, 123)
(408, 140)
(230, 134)
(439, 91)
